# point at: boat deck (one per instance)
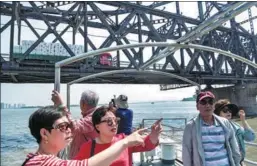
(154, 158)
(157, 163)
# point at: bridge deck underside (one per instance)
(45, 74)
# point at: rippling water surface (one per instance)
(17, 142)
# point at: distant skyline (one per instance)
(40, 94)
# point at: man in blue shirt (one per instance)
(125, 115)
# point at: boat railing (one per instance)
(247, 161)
(172, 132)
(173, 129)
(165, 119)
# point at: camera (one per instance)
(113, 103)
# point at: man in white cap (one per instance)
(125, 115)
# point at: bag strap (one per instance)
(92, 148)
(23, 164)
(85, 137)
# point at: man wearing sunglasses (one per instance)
(209, 140)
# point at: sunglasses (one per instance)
(109, 121)
(63, 127)
(204, 102)
(226, 110)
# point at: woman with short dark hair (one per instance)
(106, 124)
(52, 131)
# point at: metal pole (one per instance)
(118, 52)
(200, 9)
(57, 79)
(73, 35)
(153, 50)
(12, 31)
(68, 96)
(85, 27)
(133, 71)
(180, 35)
(19, 32)
(140, 52)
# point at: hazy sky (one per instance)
(40, 94)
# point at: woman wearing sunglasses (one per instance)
(227, 110)
(52, 132)
(106, 124)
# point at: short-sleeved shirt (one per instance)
(51, 160)
(126, 118)
(125, 158)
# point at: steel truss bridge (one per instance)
(214, 26)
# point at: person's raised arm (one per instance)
(249, 134)
(152, 139)
(107, 156)
(242, 118)
(104, 158)
(83, 125)
(57, 99)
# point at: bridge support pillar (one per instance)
(241, 95)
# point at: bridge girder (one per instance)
(168, 26)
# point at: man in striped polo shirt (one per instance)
(209, 140)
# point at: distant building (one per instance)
(7, 105)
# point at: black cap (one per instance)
(234, 108)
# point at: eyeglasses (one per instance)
(62, 126)
(226, 110)
(204, 102)
(109, 121)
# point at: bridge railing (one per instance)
(125, 64)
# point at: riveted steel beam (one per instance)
(12, 31)
(31, 27)
(122, 27)
(204, 28)
(91, 44)
(6, 25)
(103, 19)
